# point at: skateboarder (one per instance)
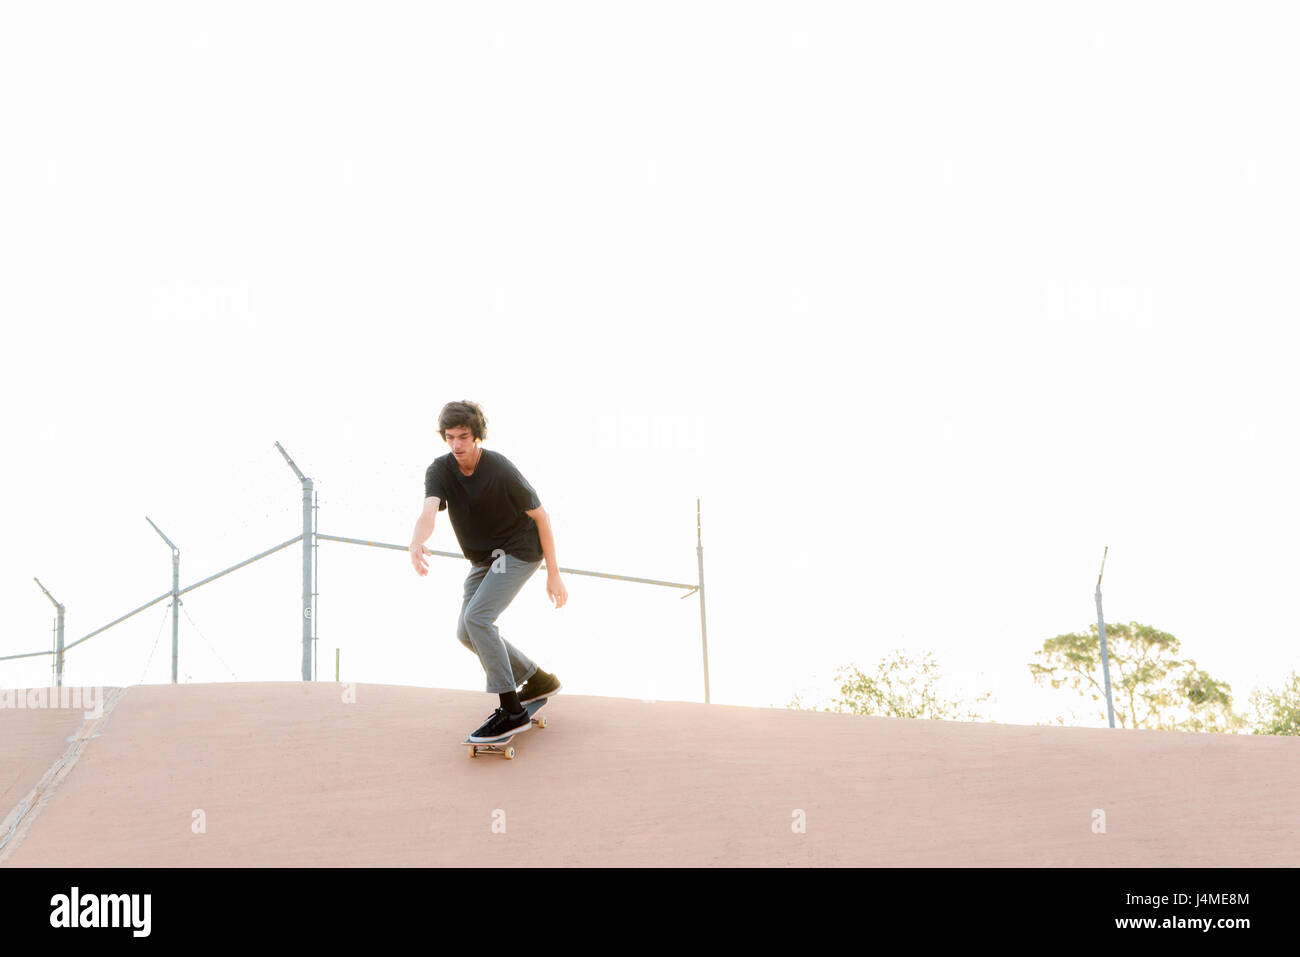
(505, 533)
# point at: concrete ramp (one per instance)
(311, 774)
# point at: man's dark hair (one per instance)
(463, 415)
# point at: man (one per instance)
(505, 533)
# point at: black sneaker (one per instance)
(540, 685)
(502, 724)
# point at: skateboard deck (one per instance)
(501, 745)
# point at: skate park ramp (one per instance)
(324, 774)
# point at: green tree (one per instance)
(902, 687)
(1150, 685)
(1278, 712)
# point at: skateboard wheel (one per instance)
(510, 754)
(541, 722)
(473, 752)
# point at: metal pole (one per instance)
(315, 589)
(690, 589)
(1101, 630)
(176, 598)
(176, 613)
(308, 541)
(58, 634)
(306, 578)
(704, 629)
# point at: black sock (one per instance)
(510, 702)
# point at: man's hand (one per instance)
(417, 558)
(555, 590)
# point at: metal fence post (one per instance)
(1101, 631)
(176, 599)
(704, 627)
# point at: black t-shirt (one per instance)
(487, 508)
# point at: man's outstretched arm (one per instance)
(423, 529)
(555, 589)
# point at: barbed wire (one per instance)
(209, 644)
(147, 663)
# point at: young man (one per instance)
(505, 533)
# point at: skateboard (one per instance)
(502, 745)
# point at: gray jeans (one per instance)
(488, 590)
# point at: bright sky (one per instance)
(927, 303)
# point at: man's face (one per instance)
(461, 441)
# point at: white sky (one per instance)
(928, 303)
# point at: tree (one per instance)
(902, 687)
(1278, 712)
(1150, 685)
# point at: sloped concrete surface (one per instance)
(311, 774)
